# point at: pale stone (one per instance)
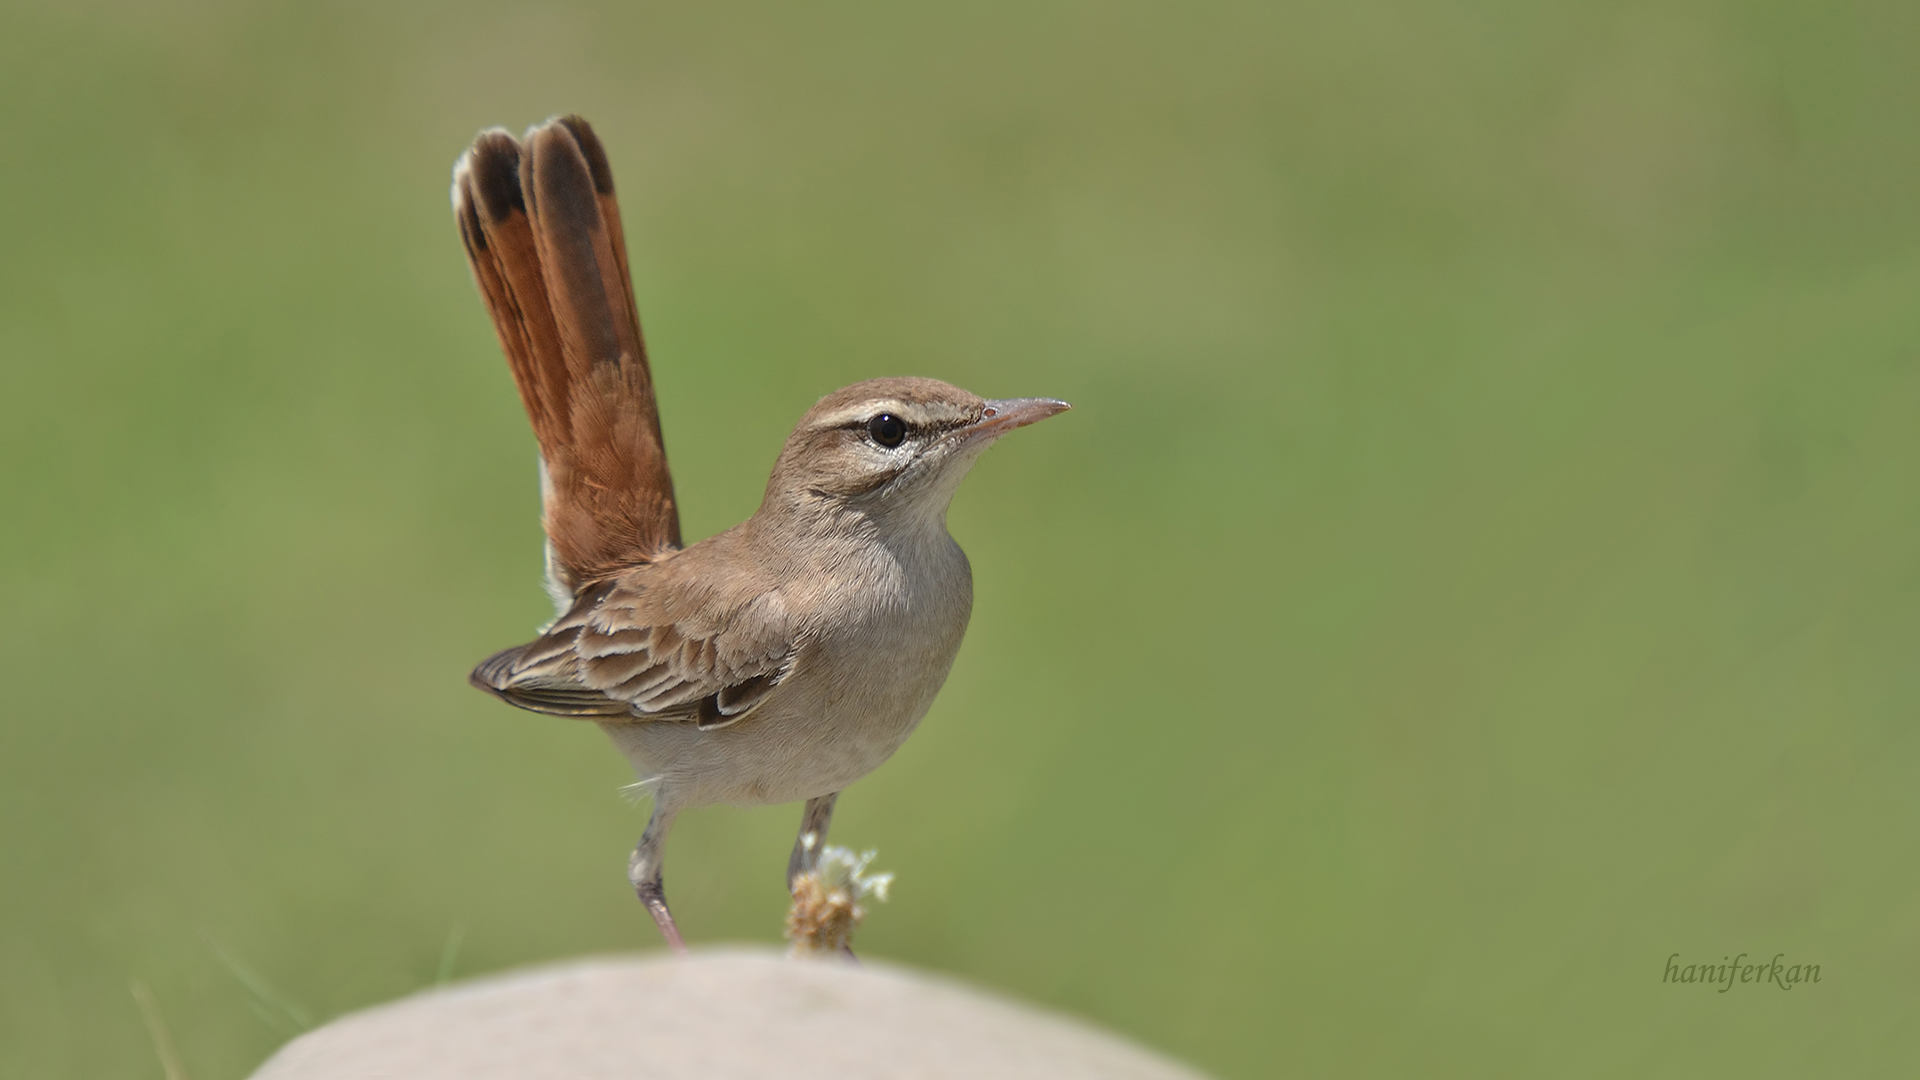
(713, 1015)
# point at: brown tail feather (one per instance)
(542, 231)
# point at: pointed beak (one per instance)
(1004, 415)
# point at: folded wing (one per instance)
(621, 653)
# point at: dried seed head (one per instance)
(827, 901)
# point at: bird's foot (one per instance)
(653, 894)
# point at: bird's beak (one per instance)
(1004, 415)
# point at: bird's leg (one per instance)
(643, 869)
(812, 839)
(810, 843)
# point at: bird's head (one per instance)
(894, 447)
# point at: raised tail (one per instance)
(542, 232)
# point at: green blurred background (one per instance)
(1484, 558)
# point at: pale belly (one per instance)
(852, 700)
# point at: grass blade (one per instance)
(163, 1044)
(449, 954)
(272, 1008)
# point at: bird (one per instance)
(777, 661)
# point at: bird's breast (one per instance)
(880, 632)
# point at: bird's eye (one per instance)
(887, 429)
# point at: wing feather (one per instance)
(620, 653)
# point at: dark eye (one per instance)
(887, 429)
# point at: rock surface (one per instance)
(713, 1015)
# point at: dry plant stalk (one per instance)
(827, 902)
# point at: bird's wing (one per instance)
(622, 654)
(542, 232)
